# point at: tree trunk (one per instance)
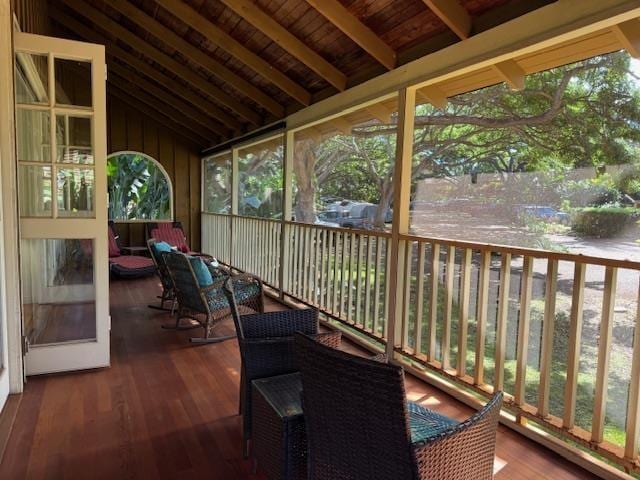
(386, 196)
(304, 163)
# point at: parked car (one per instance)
(543, 212)
(362, 215)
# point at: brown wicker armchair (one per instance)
(360, 426)
(267, 344)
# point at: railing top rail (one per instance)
(359, 231)
(529, 252)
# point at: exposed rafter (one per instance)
(453, 14)
(143, 68)
(511, 73)
(357, 31)
(105, 22)
(196, 55)
(629, 35)
(188, 114)
(292, 44)
(155, 113)
(222, 39)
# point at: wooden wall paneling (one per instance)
(194, 199)
(181, 188)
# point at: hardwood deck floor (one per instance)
(168, 410)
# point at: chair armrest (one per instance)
(280, 324)
(330, 339)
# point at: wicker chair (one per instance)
(207, 304)
(168, 290)
(360, 426)
(267, 344)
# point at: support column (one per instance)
(287, 209)
(401, 221)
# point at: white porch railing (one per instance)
(484, 316)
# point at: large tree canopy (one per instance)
(583, 114)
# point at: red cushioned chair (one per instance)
(173, 234)
(126, 266)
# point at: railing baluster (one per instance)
(336, 256)
(387, 292)
(482, 307)
(352, 256)
(604, 353)
(523, 329)
(463, 321)
(501, 330)
(419, 298)
(575, 337)
(445, 346)
(358, 280)
(367, 285)
(376, 285)
(548, 329)
(406, 297)
(632, 443)
(433, 307)
(317, 267)
(307, 265)
(343, 256)
(330, 269)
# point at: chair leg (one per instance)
(177, 325)
(207, 338)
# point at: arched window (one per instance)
(139, 188)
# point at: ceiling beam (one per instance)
(380, 112)
(454, 15)
(142, 67)
(138, 44)
(155, 114)
(511, 73)
(628, 34)
(170, 38)
(357, 31)
(226, 42)
(289, 42)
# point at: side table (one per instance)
(278, 439)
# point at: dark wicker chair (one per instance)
(267, 344)
(168, 290)
(360, 426)
(208, 304)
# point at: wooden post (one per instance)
(400, 226)
(287, 207)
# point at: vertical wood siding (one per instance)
(131, 130)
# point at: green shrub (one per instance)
(602, 222)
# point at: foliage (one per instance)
(602, 222)
(138, 188)
(260, 179)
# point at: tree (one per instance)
(583, 114)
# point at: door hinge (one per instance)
(25, 345)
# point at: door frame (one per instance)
(12, 373)
(81, 354)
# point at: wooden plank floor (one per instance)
(168, 410)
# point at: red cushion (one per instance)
(114, 251)
(132, 261)
(166, 232)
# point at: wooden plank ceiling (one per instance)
(214, 69)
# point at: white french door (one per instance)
(62, 197)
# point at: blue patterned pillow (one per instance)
(203, 275)
(162, 247)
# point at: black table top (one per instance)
(282, 393)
